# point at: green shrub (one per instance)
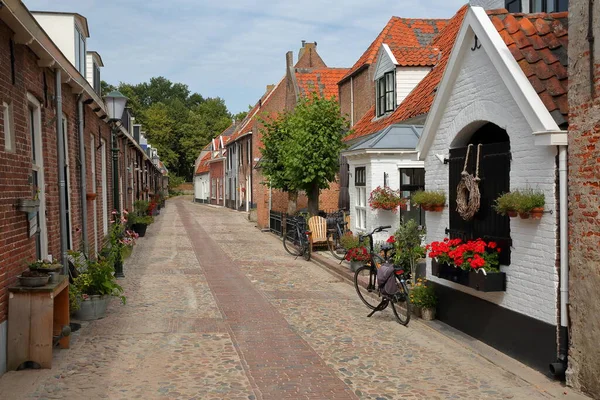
(507, 202)
(429, 198)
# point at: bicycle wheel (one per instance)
(336, 249)
(401, 303)
(291, 244)
(307, 251)
(365, 283)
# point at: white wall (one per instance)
(201, 186)
(61, 29)
(89, 68)
(384, 64)
(407, 78)
(480, 95)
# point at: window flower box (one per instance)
(28, 205)
(488, 282)
(384, 198)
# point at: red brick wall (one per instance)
(216, 171)
(364, 94)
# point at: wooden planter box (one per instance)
(492, 282)
(28, 205)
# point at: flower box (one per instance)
(492, 282)
(28, 205)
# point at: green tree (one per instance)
(301, 148)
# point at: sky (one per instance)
(231, 49)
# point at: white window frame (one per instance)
(104, 171)
(389, 96)
(360, 201)
(80, 51)
(8, 127)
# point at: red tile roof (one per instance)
(401, 32)
(539, 43)
(323, 80)
(203, 165)
(420, 99)
(415, 56)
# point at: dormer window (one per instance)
(386, 93)
(80, 51)
(97, 85)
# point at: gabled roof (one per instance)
(203, 165)
(322, 80)
(400, 32)
(520, 71)
(395, 136)
(415, 56)
(420, 99)
(539, 43)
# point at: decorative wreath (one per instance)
(468, 197)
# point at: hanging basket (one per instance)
(468, 197)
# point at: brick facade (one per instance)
(584, 200)
(217, 182)
(357, 94)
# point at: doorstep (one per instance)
(509, 365)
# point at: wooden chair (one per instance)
(347, 219)
(318, 227)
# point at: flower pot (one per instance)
(354, 265)
(140, 229)
(537, 213)
(524, 215)
(437, 208)
(416, 311)
(90, 196)
(92, 308)
(428, 314)
(28, 205)
(489, 282)
(512, 213)
(33, 281)
(426, 207)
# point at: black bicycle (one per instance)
(296, 240)
(336, 228)
(368, 288)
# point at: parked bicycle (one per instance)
(377, 295)
(336, 228)
(296, 241)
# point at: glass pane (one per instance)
(536, 6)
(513, 6)
(550, 6)
(32, 130)
(389, 101)
(389, 82)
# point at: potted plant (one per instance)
(152, 209)
(429, 200)
(384, 198)
(407, 242)
(422, 296)
(96, 286)
(139, 223)
(357, 257)
(531, 203)
(508, 204)
(47, 267)
(90, 196)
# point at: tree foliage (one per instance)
(177, 122)
(302, 147)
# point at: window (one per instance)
(360, 182)
(213, 191)
(97, 85)
(80, 51)
(386, 95)
(219, 190)
(514, 6)
(8, 127)
(548, 5)
(411, 180)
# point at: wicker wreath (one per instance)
(468, 197)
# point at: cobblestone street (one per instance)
(218, 310)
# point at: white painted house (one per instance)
(509, 95)
(202, 178)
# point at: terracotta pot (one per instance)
(524, 215)
(512, 214)
(438, 208)
(90, 196)
(428, 314)
(537, 213)
(426, 207)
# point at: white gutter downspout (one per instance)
(62, 200)
(559, 367)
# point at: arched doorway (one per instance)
(494, 172)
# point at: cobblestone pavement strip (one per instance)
(217, 310)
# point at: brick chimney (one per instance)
(289, 59)
(306, 47)
(269, 88)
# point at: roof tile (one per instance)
(322, 80)
(511, 24)
(542, 27)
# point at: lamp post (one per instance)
(115, 106)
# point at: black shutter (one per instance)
(494, 171)
(344, 198)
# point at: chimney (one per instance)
(289, 59)
(306, 46)
(487, 4)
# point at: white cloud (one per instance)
(233, 49)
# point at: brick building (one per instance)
(47, 97)
(584, 195)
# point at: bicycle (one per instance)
(296, 241)
(365, 282)
(335, 234)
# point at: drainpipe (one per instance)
(83, 170)
(62, 200)
(351, 101)
(559, 367)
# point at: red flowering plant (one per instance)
(384, 198)
(476, 255)
(358, 254)
(151, 207)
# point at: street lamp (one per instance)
(115, 106)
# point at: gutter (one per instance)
(83, 172)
